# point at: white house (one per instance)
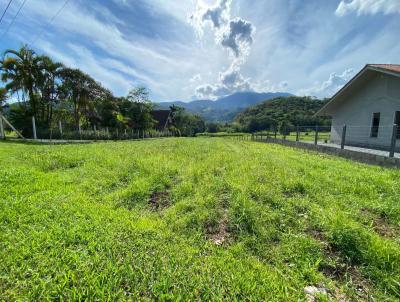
(369, 106)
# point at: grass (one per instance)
(194, 219)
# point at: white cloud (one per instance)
(234, 35)
(368, 7)
(298, 42)
(195, 78)
(228, 81)
(330, 86)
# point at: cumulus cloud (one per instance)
(368, 7)
(234, 35)
(229, 81)
(238, 37)
(330, 86)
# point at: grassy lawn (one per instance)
(194, 219)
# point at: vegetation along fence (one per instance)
(66, 131)
(383, 137)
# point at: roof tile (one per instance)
(389, 67)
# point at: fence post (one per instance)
(80, 131)
(95, 131)
(2, 133)
(34, 128)
(297, 134)
(343, 142)
(60, 128)
(316, 135)
(393, 143)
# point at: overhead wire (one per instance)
(13, 20)
(5, 11)
(51, 21)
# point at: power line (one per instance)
(8, 5)
(51, 20)
(13, 20)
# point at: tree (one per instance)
(3, 98)
(20, 72)
(139, 95)
(136, 109)
(49, 77)
(185, 124)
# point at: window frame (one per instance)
(397, 122)
(376, 116)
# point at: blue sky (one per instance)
(204, 49)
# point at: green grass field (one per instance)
(194, 219)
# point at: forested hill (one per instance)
(293, 111)
(226, 108)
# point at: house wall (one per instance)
(380, 94)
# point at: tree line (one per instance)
(50, 91)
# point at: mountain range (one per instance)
(225, 108)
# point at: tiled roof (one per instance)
(388, 67)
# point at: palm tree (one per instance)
(49, 77)
(3, 97)
(20, 72)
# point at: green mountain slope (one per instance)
(291, 110)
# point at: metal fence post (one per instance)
(2, 133)
(343, 142)
(297, 134)
(393, 142)
(316, 135)
(34, 128)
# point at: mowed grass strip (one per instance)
(194, 219)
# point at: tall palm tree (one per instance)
(20, 72)
(48, 82)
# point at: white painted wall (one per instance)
(381, 94)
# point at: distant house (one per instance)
(162, 118)
(369, 105)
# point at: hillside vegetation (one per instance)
(291, 111)
(226, 108)
(194, 219)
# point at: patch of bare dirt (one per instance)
(222, 235)
(159, 200)
(380, 224)
(341, 271)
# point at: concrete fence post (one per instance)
(80, 131)
(316, 136)
(34, 127)
(60, 127)
(343, 141)
(393, 142)
(2, 133)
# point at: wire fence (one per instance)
(383, 137)
(63, 131)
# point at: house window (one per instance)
(375, 124)
(397, 122)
